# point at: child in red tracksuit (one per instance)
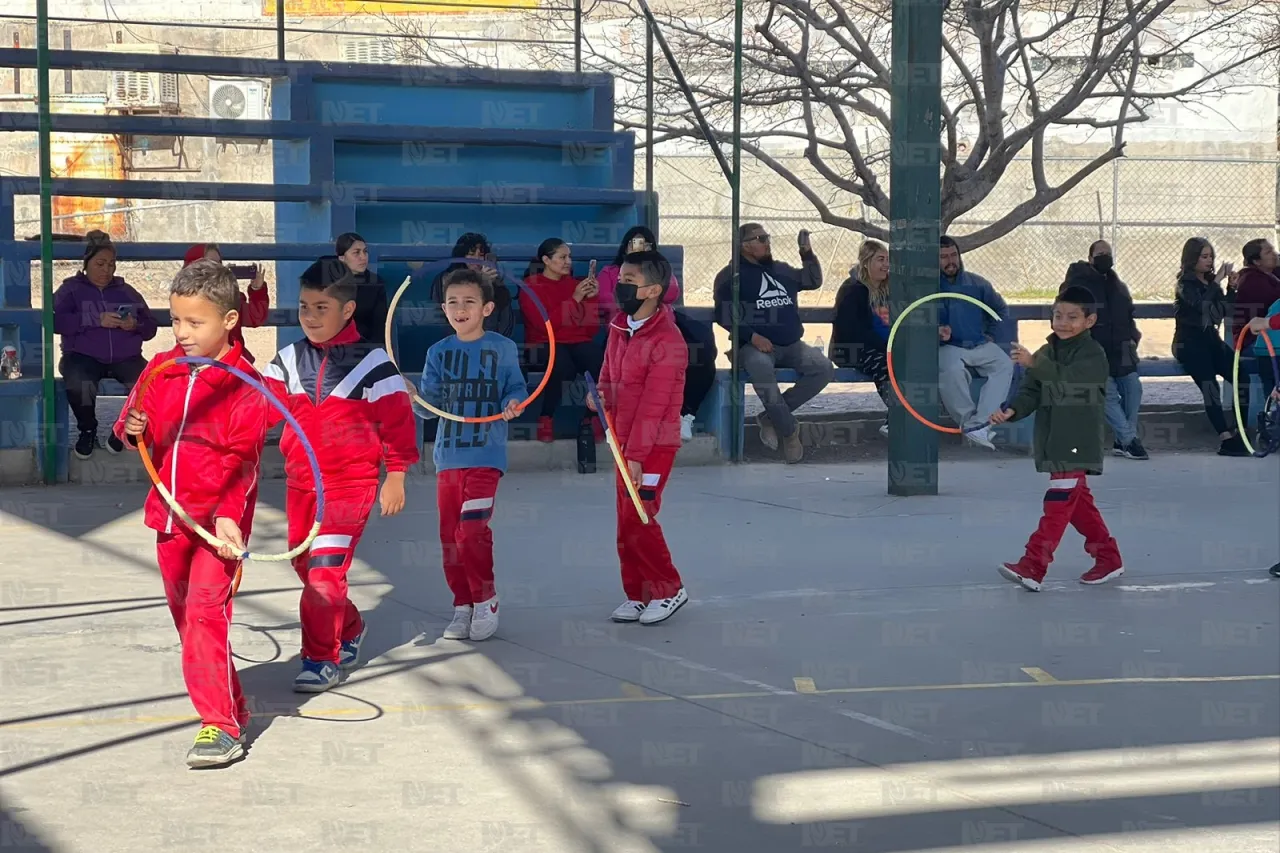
(204, 429)
(1065, 388)
(642, 386)
(353, 406)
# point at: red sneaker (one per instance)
(546, 430)
(1101, 574)
(1019, 575)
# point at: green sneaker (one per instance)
(213, 748)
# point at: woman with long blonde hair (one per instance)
(860, 333)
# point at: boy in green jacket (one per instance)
(1065, 387)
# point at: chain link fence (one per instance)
(1146, 207)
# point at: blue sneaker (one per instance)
(316, 676)
(349, 655)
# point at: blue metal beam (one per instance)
(494, 193)
(284, 129)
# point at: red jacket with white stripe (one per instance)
(352, 404)
(205, 431)
(642, 383)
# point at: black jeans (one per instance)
(572, 360)
(700, 375)
(1205, 359)
(82, 375)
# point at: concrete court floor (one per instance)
(850, 673)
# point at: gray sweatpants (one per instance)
(815, 369)
(954, 364)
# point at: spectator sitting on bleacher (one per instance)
(968, 344)
(1117, 332)
(771, 334)
(253, 309)
(700, 375)
(1256, 289)
(860, 332)
(103, 323)
(575, 317)
(371, 292)
(476, 245)
(1199, 309)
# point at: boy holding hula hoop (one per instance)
(354, 406)
(205, 429)
(1267, 326)
(1065, 388)
(642, 386)
(472, 373)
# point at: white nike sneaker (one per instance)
(686, 428)
(628, 611)
(661, 609)
(981, 437)
(460, 626)
(484, 622)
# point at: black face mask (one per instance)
(1104, 263)
(625, 294)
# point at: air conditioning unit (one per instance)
(143, 90)
(237, 99)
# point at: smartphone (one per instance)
(638, 244)
(124, 312)
(244, 272)
(803, 239)
(591, 269)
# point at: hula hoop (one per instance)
(177, 508)
(607, 422)
(1235, 381)
(888, 356)
(431, 268)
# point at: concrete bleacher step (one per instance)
(105, 468)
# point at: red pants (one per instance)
(197, 584)
(647, 570)
(1069, 502)
(465, 499)
(328, 617)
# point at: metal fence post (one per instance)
(280, 30)
(1115, 205)
(577, 36)
(648, 128)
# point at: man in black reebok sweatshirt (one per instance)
(770, 333)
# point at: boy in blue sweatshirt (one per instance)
(472, 373)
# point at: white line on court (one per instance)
(1161, 587)
(776, 691)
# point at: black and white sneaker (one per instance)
(114, 445)
(628, 611)
(661, 609)
(1135, 450)
(1118, 449)
(85, 444)
(1275, 571)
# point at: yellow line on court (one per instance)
(805, 685)
(531, 703)
(1038, 674)
(633, 691)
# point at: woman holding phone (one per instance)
(700, 375)
(573, 308)
(1200, 307)
(254, 307)
(103, 323)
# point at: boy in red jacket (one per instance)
(204, 429)
(642, 384)
(353, 405)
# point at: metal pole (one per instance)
(280, 30)
(49, 433)
(648, 130)
(577, 36)
(735, 182)
(914, 223)
(1115, 205)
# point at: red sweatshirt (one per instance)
(351, 403)
(1256, 292)
(205, 431)
(574, 322)
(253, 310)
(642, 382)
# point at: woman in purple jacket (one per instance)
(103, 323)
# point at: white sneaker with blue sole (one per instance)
(316, 676)
(349, 654)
